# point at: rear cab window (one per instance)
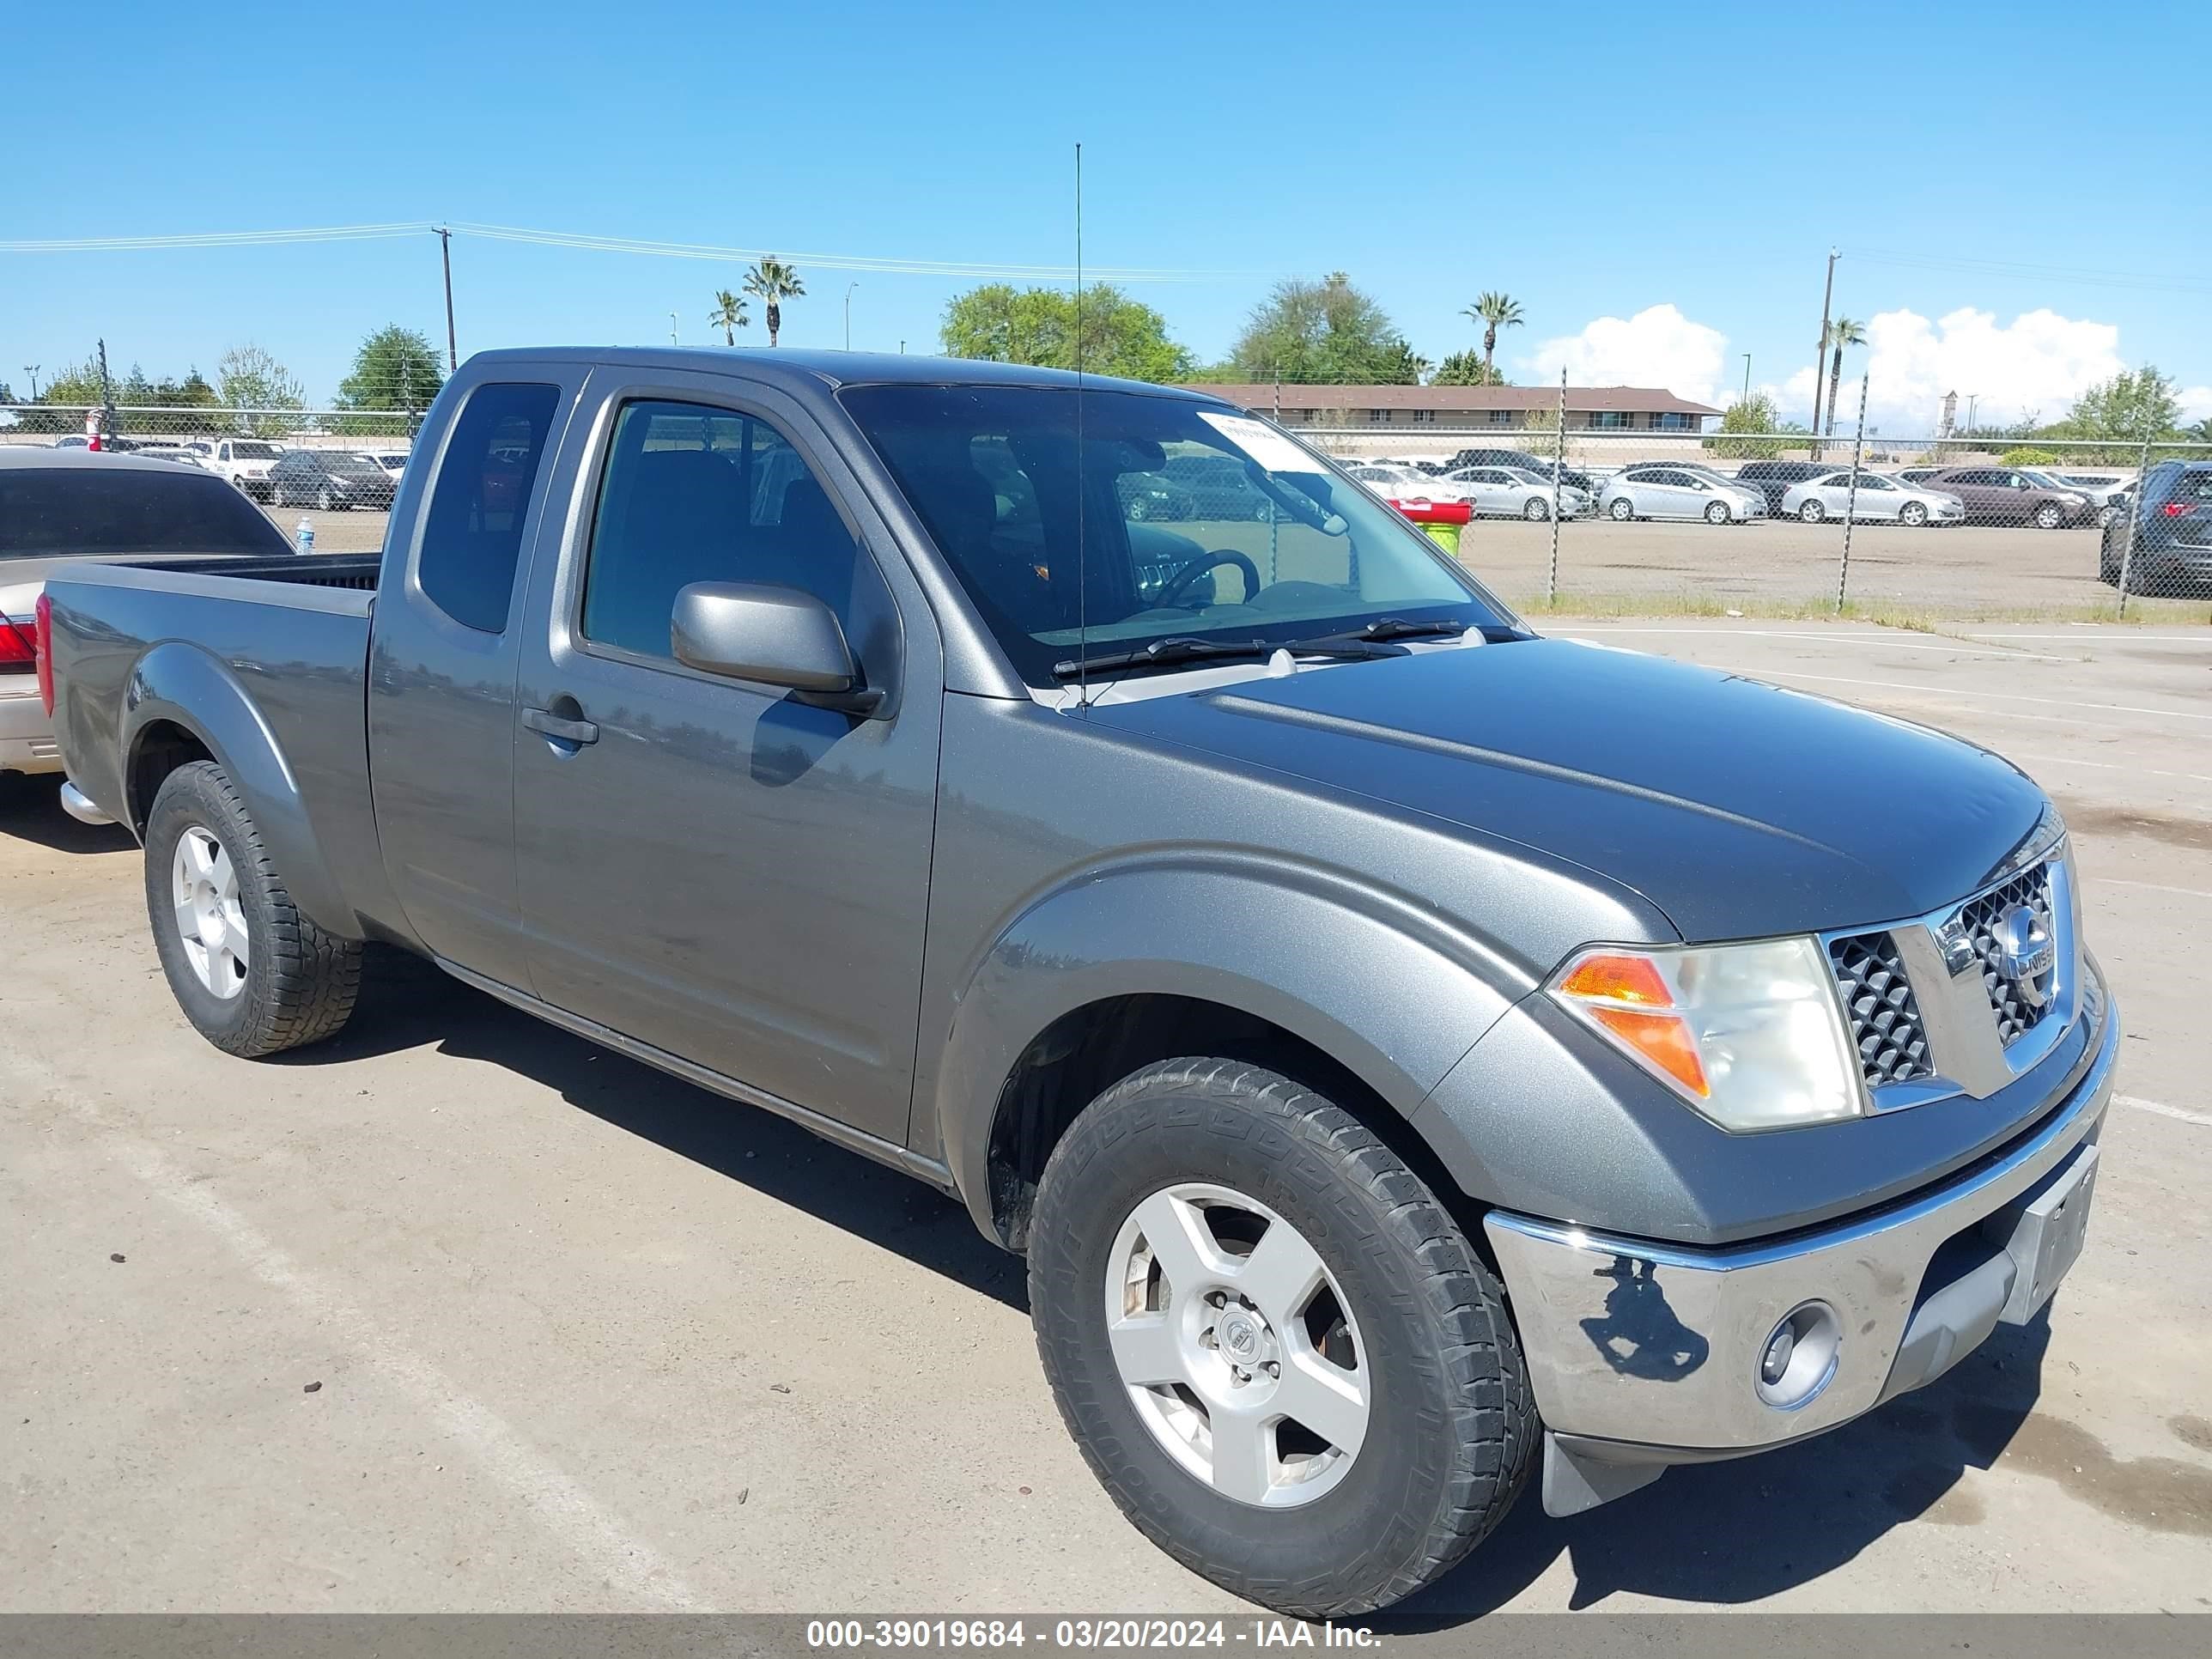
(472, 533)
(108, 511)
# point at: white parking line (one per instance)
(2202, 1120)
(2150, 886)
(1987, 696)
(562, 1506)
(2118, 634)
(2101, 766)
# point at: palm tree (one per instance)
(772, 282)
(1493, 311)
(1841, 332)
(728, 315)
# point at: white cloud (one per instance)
(2196, 402)
(1656, 347)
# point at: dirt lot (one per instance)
(1962, 571)
(458, 1312)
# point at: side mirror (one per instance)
(778, 635)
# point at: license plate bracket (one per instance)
(2042, 1232)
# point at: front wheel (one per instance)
(1912, 513)
(1622, 509)
(1716, 512)
(1275, 1349)
(2050, 516)
(1812, 512)
(252, 973)
(1537, 510)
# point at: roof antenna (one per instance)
(1082, 504)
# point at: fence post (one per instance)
(1851, 495)
(2128, 546)
(1559, 465)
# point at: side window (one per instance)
(694, 493)
(472, 533)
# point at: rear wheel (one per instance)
(1537, 510)
(1812, 512)
(1276, 1350)
(1622, 509)
(252, 973)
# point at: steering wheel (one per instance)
(1171, 589)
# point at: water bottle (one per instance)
(305, 536)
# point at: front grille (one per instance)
(1885, 1015)
(2017, 1016)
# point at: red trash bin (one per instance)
(1441, 521)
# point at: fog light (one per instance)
(1799, 1357)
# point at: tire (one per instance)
(1537, 510)
(1716, 512)
(2108, 515)
(1620, 509)
(2049, 516)
(1912, 514)
(1811, 512)
(326, 502)
(1447, 1427)
(294, 983)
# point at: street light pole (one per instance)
(32, 369)
(1820, 358)
(1747, 377)
(849, 287)
(1973, 398)
(671, 328)
(445, 257)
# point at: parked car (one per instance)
(167, 452)
(1877, 498)
(393, 461)
(1218, 486)
(1403, 484)
(246, 462)
(2173, 551)
(1773, 479)
(2108, 493)
(1515, 492)
(1404, 1046)
(63, 508)
(1152, 496)
(1541, 465)
(1918, 475)
(1665, 490)
(330, 479)
(2011, 496)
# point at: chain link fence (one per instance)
(1783, 523)
(1567, 517)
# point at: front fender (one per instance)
(186, 686)
(1386, 988)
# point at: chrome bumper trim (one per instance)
(1658, 1346)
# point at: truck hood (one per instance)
(1738, 808)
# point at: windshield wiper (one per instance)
(1398, 627)
(1164, 653)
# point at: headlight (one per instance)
(1751, 1036)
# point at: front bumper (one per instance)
(1642, 1355)
(26, 731)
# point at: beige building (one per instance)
(1411, 409)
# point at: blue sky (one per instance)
(1681, 171)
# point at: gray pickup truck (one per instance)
(1407, 1050)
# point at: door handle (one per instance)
(556, 726)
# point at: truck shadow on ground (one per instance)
(1727, 1533)
(1737, 1532)
(31, 811)
(407, 1003)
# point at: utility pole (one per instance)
(1747, 377)
(671, 328)
(849, 287)
(32, 369)
(445, 257)
(1821, 359)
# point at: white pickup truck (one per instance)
(246, 462)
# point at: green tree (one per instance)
(1323, 333)
(247, 377)
(728, 315)
(62, 401)
(395, 369)
(1466, 368)
(1001, 324)
(1493, 311)
(1753, 414)
(2135, 406)
(772, 282)
(2028, 455)
(1843, 332)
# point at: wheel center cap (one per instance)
(1240, 1336)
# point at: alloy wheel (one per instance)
(1236, 1345)
(210, 922)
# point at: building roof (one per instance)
(1632, 399)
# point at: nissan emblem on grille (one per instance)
(2015, 938)
(2024, 953)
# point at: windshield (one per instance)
(46, 510)
(2040, 480)
(251, 451)
(1279, 546)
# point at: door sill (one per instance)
(901, 1159)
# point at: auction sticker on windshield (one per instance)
(1261, 442)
